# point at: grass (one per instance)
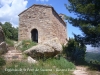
(26, 44)
(9, 42)
(49, 67)
(2, 61)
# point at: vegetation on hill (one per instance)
(92, 56)
(48, 67)
(88, 21)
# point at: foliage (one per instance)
(94, 65)
(10, 31)
(2, 62)
(26, 44)
(87, 20)
(43, 68)
(9, 42)
(61, 63)
(75, 51)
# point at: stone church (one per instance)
(41, 22)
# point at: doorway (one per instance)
(34, 35)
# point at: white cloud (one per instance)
(9, 10)
(43, 0)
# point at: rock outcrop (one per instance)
(31, 60)
(3, 47)
(49, 48)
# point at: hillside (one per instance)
(92, 56)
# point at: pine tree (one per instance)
(87, 20)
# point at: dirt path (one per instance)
(80, 70)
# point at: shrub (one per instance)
(26, 44)
(61, 63)
(9, 42)
(2, 62)
(75, 51)
(94, 65)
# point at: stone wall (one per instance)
(47, 22)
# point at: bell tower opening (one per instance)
(34, 35)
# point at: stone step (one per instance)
(13, 55)
(13, 51)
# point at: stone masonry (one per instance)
(44, 21)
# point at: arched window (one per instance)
(34, 35)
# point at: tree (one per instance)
(10, 31)
(87, 20)
(75, 51)
(0, 24)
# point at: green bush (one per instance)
(2, 62)
(61, 63)
(94, 65)
(9, 42)
(75, 51)
(26, 44)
